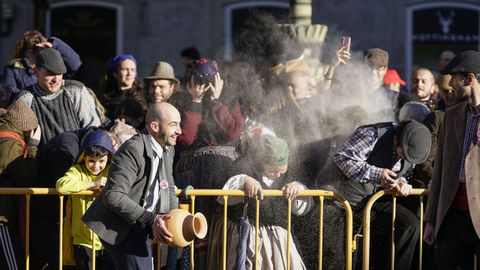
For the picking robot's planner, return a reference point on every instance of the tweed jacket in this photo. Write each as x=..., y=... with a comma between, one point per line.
x=445, y=182
x=114, y=213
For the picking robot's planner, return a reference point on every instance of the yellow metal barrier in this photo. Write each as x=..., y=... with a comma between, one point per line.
x=192, y=194
x=366, y=226
x=277, y=193
x=39, y=191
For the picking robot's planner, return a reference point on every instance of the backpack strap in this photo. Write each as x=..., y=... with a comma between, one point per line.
x=16, y=137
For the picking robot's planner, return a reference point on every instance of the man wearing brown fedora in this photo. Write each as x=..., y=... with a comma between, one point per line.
x=161, y=83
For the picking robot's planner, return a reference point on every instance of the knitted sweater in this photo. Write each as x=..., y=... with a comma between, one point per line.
x=70, y=108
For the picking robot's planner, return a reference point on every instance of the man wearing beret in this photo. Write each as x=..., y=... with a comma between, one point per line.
x=453, y=213
x=382, y=156
x=60, y=105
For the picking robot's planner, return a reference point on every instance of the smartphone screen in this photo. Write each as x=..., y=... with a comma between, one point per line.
x=345, y=41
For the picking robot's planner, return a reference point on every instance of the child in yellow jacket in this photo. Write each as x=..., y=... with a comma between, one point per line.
x=89, y=173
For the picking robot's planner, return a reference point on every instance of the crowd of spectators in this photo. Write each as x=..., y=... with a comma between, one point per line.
x=243, y=125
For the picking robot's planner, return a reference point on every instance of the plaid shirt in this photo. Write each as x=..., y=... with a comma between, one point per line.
x=352, y=157
x=473, y=114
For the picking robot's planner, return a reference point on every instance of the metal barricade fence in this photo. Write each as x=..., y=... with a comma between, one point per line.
x=320, y=193
x=28, y=192
x=367, y=225
x=193, y=193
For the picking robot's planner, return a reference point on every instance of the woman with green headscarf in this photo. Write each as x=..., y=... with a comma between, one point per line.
x=266, y=170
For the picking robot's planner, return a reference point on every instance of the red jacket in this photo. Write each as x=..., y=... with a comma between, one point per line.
x=220, y=125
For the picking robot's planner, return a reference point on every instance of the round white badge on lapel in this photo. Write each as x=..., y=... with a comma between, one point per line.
x=164, y=184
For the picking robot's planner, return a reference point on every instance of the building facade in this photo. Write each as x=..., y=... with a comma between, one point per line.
x=414, y=32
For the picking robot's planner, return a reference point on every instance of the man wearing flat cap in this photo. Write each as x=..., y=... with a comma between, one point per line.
x=377, y=60
x=382, y=156
x=453, y=213
x=60, y=105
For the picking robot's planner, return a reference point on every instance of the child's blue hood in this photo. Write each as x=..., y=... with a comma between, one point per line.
x=98, y=138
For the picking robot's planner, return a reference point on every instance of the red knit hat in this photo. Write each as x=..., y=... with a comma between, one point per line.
x=392, y=77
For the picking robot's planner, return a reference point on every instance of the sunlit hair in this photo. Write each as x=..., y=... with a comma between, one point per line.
x=430, y=73
x=28, y=41
x=413, y=110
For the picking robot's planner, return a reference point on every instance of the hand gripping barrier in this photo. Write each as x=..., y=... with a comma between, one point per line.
x=192, y=194
x=367, y=225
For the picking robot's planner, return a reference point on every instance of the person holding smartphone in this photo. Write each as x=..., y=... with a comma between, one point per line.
x=342, y=55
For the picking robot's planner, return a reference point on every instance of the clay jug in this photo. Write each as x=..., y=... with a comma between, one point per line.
x=185, y=227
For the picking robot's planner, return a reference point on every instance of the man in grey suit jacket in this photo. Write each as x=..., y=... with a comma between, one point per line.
x=453, y=213
x=139, y=191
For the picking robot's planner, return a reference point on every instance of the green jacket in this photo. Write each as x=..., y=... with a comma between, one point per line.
x=15, y=170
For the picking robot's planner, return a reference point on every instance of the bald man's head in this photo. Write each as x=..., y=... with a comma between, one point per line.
x=163, y=123
x=158, y=111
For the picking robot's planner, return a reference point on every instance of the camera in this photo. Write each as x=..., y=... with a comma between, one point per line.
x=204, y=79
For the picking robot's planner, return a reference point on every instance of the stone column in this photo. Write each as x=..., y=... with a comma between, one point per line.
x=301, y=12
x=311, y=36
